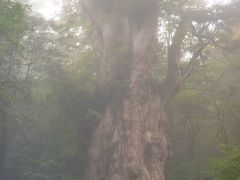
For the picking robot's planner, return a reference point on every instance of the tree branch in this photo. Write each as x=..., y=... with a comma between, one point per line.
x=174, y=73
x=175, y=76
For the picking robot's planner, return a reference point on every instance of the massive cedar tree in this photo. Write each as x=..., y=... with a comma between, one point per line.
x=130, y=142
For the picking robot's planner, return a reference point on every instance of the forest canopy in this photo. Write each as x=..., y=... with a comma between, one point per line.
x=120, y=90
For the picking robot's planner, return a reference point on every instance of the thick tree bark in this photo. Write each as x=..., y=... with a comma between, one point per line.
x=133, y=145
x=130, y=141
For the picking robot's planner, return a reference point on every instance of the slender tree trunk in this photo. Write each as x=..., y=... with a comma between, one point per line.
x=222, y=134
x=3, y=141
x=191, y=139
x=191, y=135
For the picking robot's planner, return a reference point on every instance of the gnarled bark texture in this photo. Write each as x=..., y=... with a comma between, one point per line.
x=130, y=142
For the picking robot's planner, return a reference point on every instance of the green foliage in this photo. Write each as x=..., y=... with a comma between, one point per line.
x=13, y=26
x=210, y=98
x=50, y=132
x=12, y=23
x=185, y=170
x=227, y=168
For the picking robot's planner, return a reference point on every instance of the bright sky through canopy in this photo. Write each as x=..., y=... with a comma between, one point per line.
x=218, y=2
x=51, y=8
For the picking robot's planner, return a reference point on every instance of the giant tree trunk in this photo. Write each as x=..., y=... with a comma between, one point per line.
x=130, y=142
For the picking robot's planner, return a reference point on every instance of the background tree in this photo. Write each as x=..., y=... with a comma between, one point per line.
x=12, y=28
